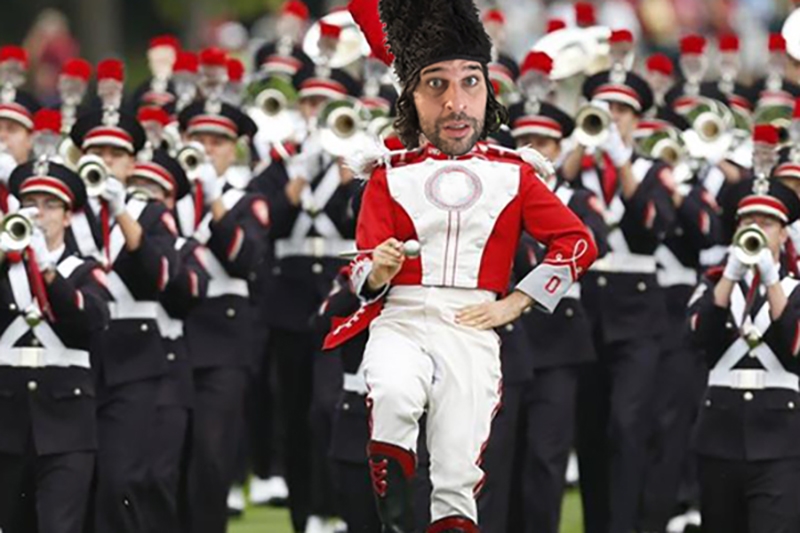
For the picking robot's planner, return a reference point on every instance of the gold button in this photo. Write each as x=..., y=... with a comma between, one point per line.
x=708, y=403
x=346, y=406
x=35, y=342
x=32, y=386
x=791, y=405
x=602, y=281
x=316, y=268
x=231, y=312
x=509, y=327
x=641, y=286
x=569, y=312
x=144, y=327
x=77, y=392
x=748, y=396
x=126, y=503
x=12, y=307
x=170, y=357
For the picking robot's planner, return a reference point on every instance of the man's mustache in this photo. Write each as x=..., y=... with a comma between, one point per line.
x=460, y=117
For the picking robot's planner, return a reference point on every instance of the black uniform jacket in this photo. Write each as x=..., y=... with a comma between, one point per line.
x=52, y=405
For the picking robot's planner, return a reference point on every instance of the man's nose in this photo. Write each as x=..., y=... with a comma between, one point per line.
x=455, y=98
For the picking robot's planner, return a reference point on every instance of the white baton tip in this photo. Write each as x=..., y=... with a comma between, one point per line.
x=411, y=249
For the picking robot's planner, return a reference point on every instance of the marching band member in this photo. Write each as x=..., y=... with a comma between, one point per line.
x=466, y=202
x=744, y=316
x=625, y=304
x=17, y=108
x=53, y=305
x=232, y=228
x=137, y=250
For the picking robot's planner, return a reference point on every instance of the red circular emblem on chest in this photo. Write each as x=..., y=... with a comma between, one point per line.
x=453, y=188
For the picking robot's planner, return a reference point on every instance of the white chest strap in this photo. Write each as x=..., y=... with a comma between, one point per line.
x=316, y=201
x=52, y=351
x=135, y=208
x=774, y=375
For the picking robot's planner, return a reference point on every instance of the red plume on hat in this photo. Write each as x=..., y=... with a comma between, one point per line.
x=494, y=15
x=235, y=70
x=47, y=120
x=153, y=114
x=14, y=53
x=555, y=25
x=366, y=15
x=330, y=31
x=728, y=42
x=166, y=40
x=620, y=36
x=585, y=14
x=538, y=62
x=77, y=68
x=765, y=134
x=111, y=69
x=214, y=57
x=660, y=63
x=777, y=43
x=295, y=8
x=693, y=45
x=186, y=62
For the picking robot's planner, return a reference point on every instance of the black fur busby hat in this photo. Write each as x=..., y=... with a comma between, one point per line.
x=423, y=32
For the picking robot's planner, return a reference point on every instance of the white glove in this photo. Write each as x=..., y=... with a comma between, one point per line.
x=768, y=268
x=7, y=166
x=307, y=164
x=44, y=258
x=212, y=184
x=615, y=147
x=734, y=268
x=114, y=194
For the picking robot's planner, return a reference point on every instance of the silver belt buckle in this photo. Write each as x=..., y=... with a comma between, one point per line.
x=749, y=379
x=31, y=357
x=317, y=246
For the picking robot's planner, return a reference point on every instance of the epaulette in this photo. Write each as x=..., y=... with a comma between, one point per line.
x=543, y=166
x=363, y=162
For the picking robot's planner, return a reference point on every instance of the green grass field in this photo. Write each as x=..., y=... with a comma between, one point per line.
x=268, y=520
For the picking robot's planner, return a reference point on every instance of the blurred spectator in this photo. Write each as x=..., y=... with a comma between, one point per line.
x=49, y=44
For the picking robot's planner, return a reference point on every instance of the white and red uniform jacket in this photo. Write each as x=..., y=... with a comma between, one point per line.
x=468, y=213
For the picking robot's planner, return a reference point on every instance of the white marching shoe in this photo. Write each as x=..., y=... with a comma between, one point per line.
x=236, y=501
x=270, y=491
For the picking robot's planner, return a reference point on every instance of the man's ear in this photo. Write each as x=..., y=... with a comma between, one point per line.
x=67, y=218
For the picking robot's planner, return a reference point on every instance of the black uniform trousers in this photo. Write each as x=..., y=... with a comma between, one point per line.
x=48, y=493
x=614, y=409
x=549, y=412
x=294, y=351
x=750, y=496
x=215, y=437
x=327, y=389
x=125, y=425
x=680, y=386
x=167, y=468
x=495, y=498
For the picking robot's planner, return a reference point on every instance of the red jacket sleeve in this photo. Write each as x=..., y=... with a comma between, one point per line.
x=570, y=247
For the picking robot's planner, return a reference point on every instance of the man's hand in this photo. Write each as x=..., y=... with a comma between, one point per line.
x=346, y=174
x=387, y=260
x=492, y=315
x=114, y=194
x=294, y=190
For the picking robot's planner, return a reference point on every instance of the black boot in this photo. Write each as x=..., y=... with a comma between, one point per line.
x=391, y=469
x=453, y=524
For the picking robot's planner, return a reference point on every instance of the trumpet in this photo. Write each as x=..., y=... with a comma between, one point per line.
x=748, y=242
x=343, y=125
x=591, y=125
x=94, y=173
x=271, y=101
x=16, y=230
x=190, y=156
x=710, y=119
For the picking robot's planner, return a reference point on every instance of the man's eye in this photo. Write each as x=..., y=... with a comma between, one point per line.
x=435, y=83
x=472, y=81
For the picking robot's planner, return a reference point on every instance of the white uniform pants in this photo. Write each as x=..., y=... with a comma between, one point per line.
x=419, y=359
